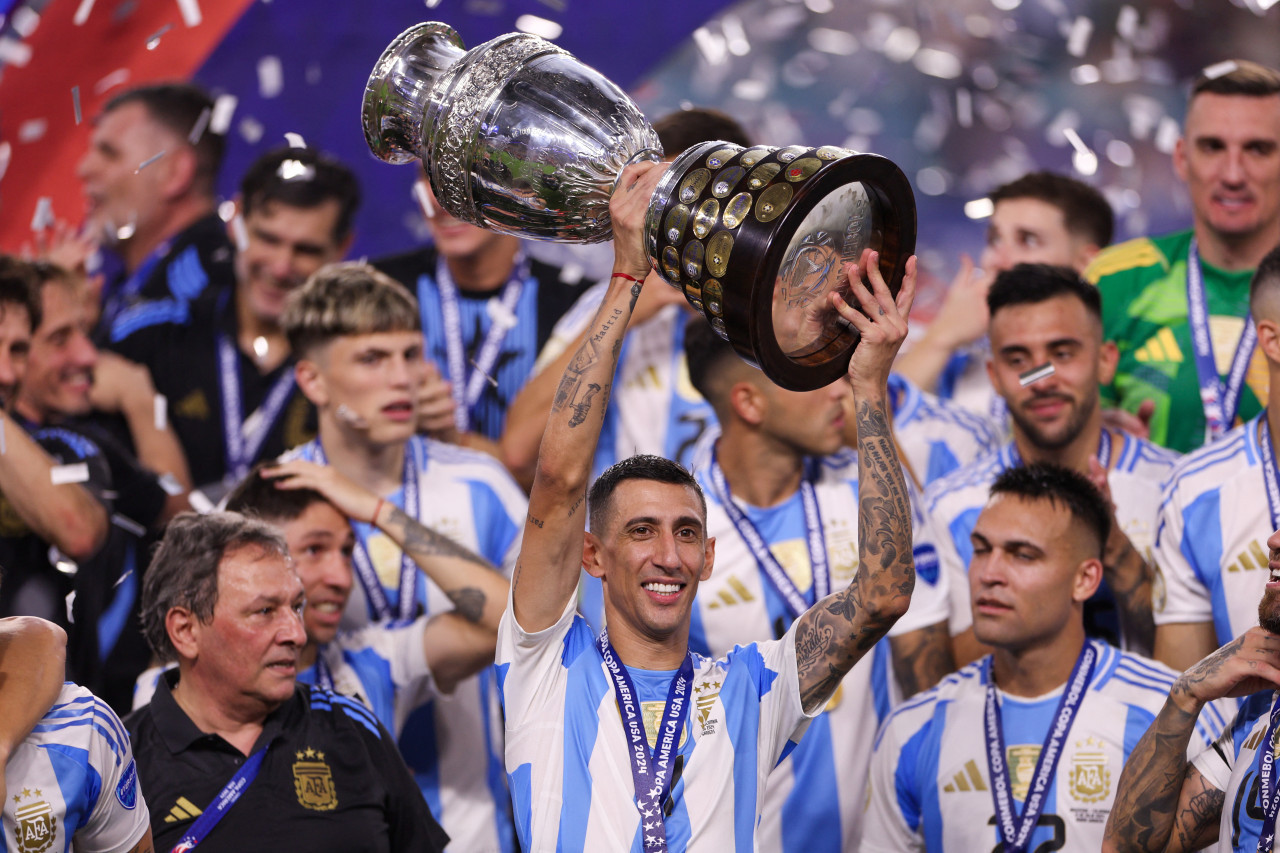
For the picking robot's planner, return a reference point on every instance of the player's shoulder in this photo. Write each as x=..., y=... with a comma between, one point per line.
x=1145, y=459
x=968, y=483
x=1132, y=256
x=1213, y=465
x=341, y=715
x=77, y=716
x=920, y=712
x=1132, y=678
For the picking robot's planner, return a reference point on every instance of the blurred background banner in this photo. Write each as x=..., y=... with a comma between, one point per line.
x=962, y=94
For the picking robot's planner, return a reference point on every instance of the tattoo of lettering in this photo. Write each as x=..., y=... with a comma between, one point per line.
x=468, y=602
x=922, y=658
x=840, y=629
x=423, y=542
x=536, y=522
x=576, y=504
x=1146, y=803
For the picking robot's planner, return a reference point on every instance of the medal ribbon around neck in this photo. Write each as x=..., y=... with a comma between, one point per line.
x=1017, y=831
x=243, y=437
x=379, y=605
x=467, y=385
x=777, y=576
x=324, y=676
x=651, y=771
x=1267, y=781
x=1221, y=401
x=227, y=797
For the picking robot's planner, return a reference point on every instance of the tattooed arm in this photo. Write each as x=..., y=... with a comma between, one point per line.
x=1163, y=803
x=921, y=658
x=837, y=631
x=547, y=571
x=1129, y=576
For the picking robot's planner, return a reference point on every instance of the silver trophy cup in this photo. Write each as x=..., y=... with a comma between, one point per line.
x=517, y=136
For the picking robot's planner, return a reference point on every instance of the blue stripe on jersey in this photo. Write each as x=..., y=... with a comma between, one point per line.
x=112, y=621
x=582, y=700
x=1201, y=544
x=494, y=527
x=495, y=776
x=919, y=759
x=147, y=314
x=374, y=672
x=187, y=276
x=422, y=753
x=959, y=529
x=521, y=780
x=79, y=782
x=810, y=801
x=104, y=724
x=881, y=674
x=941, y=461
x=358, y=712
x=742, y=726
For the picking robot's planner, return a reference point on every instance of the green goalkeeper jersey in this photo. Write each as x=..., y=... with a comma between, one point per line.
x=1143, y=284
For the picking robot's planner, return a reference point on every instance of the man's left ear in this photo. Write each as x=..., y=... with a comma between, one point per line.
x=1088, y=579
x=591, y=555
x=307, y=374
x=709, y=558
x=180, y=173
x=1108, y=358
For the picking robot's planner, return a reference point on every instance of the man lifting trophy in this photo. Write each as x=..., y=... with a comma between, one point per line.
x=519, y=137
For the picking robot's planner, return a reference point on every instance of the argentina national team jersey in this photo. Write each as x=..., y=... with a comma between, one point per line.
x=1138, y=470
x=937, y=436
x=567, y=754
x=453, y=743
x=814, y=799
x=931, y=787
x=74, y=780
x=1232, y=766
x=1211, y=542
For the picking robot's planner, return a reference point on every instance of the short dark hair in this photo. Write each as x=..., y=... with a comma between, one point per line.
x=310, y=179
x=639, y=467
x=710, y=359
x=1062, y=487
x=184, y=569
x=257, y=497
x=1085, y=211
x=1243, y=78
x=1265, y=277
x=683, y=129
x=180, y=107
x=20, y=283
x=1030, y=284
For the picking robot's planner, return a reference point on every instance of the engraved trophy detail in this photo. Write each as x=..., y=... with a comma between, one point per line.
x=518, y=136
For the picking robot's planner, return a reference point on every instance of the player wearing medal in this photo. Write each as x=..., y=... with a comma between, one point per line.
x=358, y=339
x=586, y=773
x=1177, y=305
x=1059, y=712
x=1209, y=550
x=1048, y=315
x=1226, y=798
x=781, y=505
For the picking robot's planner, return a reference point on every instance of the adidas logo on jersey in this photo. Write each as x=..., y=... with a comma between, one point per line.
x=727, y=597
x=1162, y=348
x=1249, y=559
x=968, y=779
x=184, y=809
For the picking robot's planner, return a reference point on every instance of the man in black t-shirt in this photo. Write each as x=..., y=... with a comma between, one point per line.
x=318, y=772
x=225, y=368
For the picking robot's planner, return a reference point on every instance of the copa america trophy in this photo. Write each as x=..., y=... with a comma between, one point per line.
x=517, y=136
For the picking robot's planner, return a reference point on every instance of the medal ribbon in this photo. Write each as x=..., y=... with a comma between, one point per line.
x=777, y=576
x=243, y=437
x=379, y=605
x=1267, y=781
x=1269, y=474
x=324, y=676
x=1221, y=401
x=1017, y=831
x=227, y=797
x=651, y=771
x=468, y=385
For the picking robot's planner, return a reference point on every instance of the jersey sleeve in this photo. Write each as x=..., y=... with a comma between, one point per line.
x=1215, y=763
x=1179, y=595
x=891, y=798
x=782, y=715
x=119, y=818
x=533, y=667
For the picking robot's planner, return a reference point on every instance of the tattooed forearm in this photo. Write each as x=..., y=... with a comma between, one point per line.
x=1130, y=578
x=1146, y=803
x=421, y=542
x=468, y=602
x=922, y=658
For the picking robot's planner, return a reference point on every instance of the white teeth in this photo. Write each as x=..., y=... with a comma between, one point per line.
x=327, y=607
x=664, y=588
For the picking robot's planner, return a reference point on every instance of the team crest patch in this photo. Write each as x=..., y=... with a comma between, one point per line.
x=37, y=827
x=705, y=695
x=1021, y=760
x=127, y=789
x=313, y=781
x=1090, y=780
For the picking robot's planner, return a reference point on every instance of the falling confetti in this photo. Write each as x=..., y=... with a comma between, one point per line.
x=77, y=472
x=295, y=140
x=6, y=151
x=43, y=216
x=110, y=81
x=270, y=76
x=223, y=109
x=82, y=12
x=1035, y=374
x=153, y=40
x=251, y=129
x=161, y=412
x=32, y=129
x=201, y=125
x=190, y=11
x=24, y=21
x=14, y=52
x=147, y=162
x=75, y=101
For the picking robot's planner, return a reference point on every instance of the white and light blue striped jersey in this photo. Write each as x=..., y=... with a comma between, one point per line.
x=73, y=780
x=655, y=408
x=384, y=666
x=936, y=435
x=453, y=744
x=1138, y=470
x=1211, y=539
x=1232, y=766
x=814, y=799
x=930, y=782
x=567, y=753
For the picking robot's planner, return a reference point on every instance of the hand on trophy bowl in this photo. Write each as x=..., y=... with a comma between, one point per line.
x=518, y=136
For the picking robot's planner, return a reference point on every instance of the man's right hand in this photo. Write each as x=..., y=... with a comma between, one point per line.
x=1248, y=664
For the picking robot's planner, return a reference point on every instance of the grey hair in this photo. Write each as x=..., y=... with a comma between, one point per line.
x=184, y=570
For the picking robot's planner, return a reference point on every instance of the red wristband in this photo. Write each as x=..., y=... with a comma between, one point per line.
x=377, y=509
x=624, y=275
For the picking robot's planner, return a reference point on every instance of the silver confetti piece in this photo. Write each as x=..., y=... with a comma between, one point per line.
x=75, y=101
x=147, y=162
x=161, y=412
x=153, y=40
x=223, y=109
x=201, y=125
x=43, y=216
x=190, y=11
x=1035, y=374
x=82, y=12
x=77, y=472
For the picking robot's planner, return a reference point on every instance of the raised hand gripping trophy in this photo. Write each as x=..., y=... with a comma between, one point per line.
x=519, y=137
